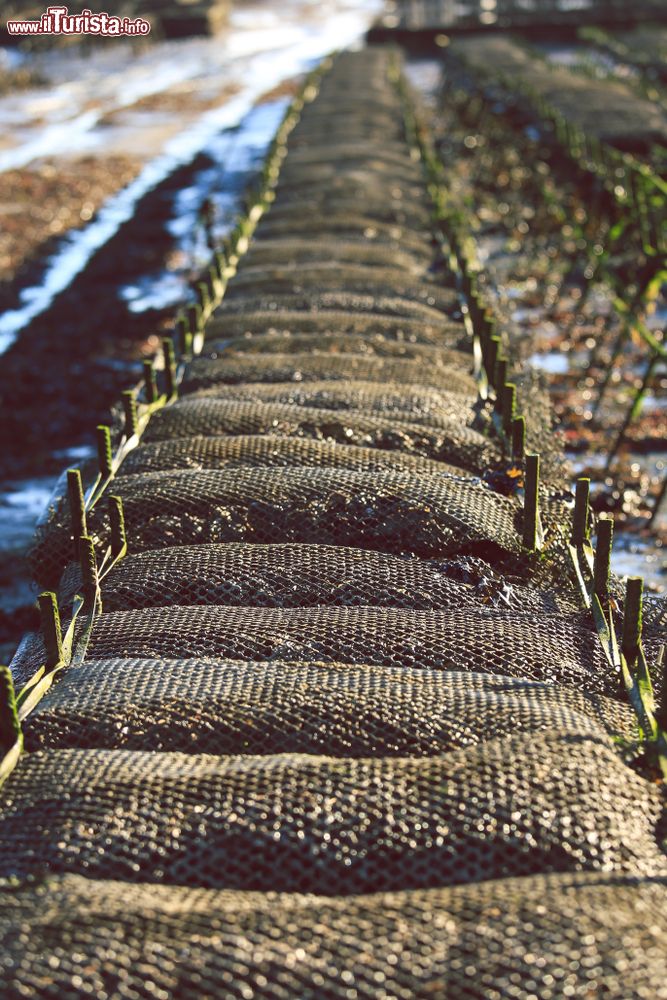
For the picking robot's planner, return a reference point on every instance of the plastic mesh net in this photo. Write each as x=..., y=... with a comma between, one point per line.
x=337, y=709
x=256, y=451
x=204, y=372
x=487, y=640
x=288, y=321
x=267, y=252
x=304, y=823
x=366, y=404
x=401, y=512
x=392, y=511
x=610, y=110
x=370, y=345
x=297, y=575
x=320, y=279
x=540, y=936
x=327, y=664
x=314, y=301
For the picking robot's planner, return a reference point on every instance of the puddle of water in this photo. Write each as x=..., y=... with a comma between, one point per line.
x=425, y=76
x=11, y=58
x=23, y=502
x=636, y=557
x=159, y=292
x=586, y=57
x=267, y=61
x=21, y=505
x=555, y=362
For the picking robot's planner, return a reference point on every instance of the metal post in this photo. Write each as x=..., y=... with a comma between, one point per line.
x=77, y=507
x=602, y=559
x=51, y=630
x=131, y=416
x=531, y=502
x=632, y=618
x=580, y=530
x=104, y=455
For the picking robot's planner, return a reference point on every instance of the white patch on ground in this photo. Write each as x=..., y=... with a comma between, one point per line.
x=254, y=60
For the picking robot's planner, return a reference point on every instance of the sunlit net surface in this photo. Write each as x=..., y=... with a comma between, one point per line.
x=335, y=733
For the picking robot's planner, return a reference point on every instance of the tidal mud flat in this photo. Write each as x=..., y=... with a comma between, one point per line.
x=123, y=164
x=116, y=173
x=344, y=719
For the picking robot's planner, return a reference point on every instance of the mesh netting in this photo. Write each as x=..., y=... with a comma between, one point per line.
x=546, y=936
x=304, y=823
x=451, y=441
x=397, y=183
x=307, y=576
x=401, y=512
x=320, y=278
x=262, y=451
x=319, y=365
x=392, y=156
x=427, y=515
x=436, y=408
x=289, y=252
x=488, y=640
x=327, y=664
x=607, y=109
x=314, y=301
x=322, y=198
x=363, y=324
x=345, y=226
x=370, y=346
x=341, y=710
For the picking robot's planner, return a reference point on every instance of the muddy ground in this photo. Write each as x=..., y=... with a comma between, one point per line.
x=59, y=378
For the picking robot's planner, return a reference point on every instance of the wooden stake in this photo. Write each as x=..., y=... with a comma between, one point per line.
x=169, y=366
x=491, y=357
x=500, y=377
x=89, y=574
x=509, y=406
x=10, y=727
x=183, y=335
x=150, y=385
x=518, y=438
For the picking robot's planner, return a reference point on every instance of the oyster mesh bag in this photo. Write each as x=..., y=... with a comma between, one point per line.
x=418, y=513
x=538, y=936
x=298, y=575
x=336, y=709
x=305, y=823
x=566, y=650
